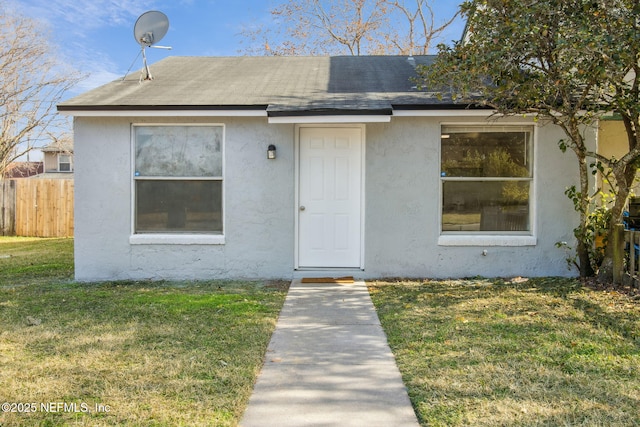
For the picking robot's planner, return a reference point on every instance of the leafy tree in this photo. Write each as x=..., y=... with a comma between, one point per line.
x=353, y=27
x=32, y=81
x=567, y=61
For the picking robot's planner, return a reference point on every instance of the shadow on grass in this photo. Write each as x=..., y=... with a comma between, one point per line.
x=450, y=293
x=514, y=352
x=626, y=324
x=156, y=352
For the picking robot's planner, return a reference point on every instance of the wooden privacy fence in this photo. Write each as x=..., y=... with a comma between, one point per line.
x=37, y=207
x=7, y=207
x=631, y=261
x=626, y=256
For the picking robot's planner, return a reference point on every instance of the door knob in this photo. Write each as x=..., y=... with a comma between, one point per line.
x=302, y=208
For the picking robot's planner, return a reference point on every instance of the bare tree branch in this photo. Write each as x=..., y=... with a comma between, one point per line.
x=32, y=82
x=354, y=27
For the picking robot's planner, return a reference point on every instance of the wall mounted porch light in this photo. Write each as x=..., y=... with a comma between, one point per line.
x=271, y=152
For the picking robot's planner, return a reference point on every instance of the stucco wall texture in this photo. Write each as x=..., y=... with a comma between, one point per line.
x=402, y=206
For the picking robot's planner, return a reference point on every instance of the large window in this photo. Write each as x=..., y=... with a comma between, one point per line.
x=178, y=179
x=487, y=175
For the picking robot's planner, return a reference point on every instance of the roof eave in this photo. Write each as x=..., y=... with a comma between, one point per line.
x=163, y=110
x=387, y=111
x=442, y=110
x=275, y=114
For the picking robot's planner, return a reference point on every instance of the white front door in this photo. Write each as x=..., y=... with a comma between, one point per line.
x=330, y=199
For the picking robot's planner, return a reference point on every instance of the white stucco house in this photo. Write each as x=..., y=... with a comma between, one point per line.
x=283, y=167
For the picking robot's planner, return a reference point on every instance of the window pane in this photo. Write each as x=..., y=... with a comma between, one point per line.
x=173, y=151
x=178, y=206
x=485, y=154
x=485, y=206
x=64, y=163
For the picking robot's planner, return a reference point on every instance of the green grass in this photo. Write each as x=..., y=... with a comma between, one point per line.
x=34, y=260
x=152, y=353
x=540, y=352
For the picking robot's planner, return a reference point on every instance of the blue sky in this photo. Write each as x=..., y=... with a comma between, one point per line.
x=96, y=36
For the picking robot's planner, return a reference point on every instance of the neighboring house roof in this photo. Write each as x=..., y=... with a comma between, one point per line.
x=59, y=147
x=282, y=86
x=23, y=170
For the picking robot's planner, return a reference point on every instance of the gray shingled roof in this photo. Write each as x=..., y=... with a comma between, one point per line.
x=281, y=85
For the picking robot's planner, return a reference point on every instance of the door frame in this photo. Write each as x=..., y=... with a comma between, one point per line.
x=297, y=151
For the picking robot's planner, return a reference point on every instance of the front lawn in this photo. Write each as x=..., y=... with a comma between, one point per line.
x=540, y=352
x=472, y=352
x=125, y=353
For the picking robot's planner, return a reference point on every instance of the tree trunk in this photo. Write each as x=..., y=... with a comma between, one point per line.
x=581, y=204
x=584, y=259
x=625, y=177
x=583, y=250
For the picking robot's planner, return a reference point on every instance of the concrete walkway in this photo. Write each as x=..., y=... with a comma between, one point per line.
x=329, y=364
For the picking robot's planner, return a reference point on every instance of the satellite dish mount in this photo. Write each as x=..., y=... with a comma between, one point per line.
x=150, y=28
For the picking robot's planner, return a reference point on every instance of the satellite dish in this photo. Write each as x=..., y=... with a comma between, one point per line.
x=149, y=29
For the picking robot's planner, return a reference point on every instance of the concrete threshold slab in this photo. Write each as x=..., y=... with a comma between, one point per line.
x=329, y=364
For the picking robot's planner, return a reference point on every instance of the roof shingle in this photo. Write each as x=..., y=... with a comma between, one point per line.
x=281, y=85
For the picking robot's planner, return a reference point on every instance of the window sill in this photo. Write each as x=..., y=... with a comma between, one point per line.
x=176, y=239
x=494, y=240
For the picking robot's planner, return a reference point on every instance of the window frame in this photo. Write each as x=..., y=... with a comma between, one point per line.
x=491, y=238
x=169, y=238
x=70, y=162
